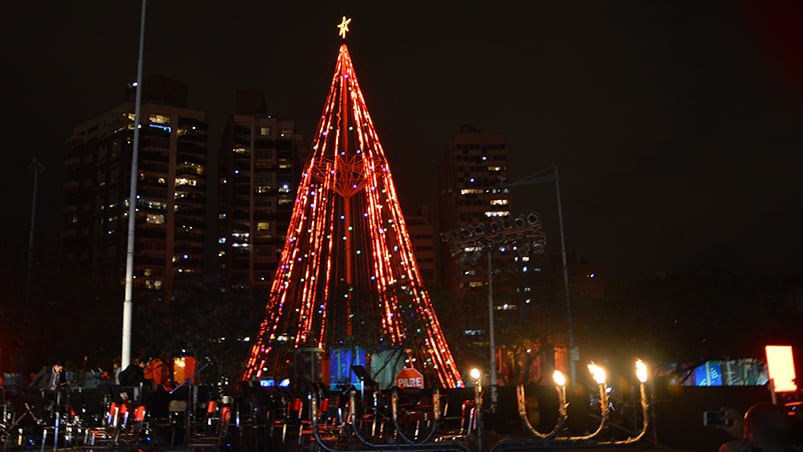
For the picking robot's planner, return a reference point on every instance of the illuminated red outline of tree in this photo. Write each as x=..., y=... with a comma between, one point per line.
x=348, y=263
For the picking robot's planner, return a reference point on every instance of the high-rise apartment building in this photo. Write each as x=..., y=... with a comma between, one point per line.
x=472, y=172
x=490, y=255
x=171, y=192
x=260, y=163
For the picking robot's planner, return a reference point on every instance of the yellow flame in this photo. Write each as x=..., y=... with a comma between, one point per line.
x=559, y=378
x=641, y=371
x=598, y=373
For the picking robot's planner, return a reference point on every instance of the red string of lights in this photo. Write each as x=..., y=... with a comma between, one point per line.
x=347, y=272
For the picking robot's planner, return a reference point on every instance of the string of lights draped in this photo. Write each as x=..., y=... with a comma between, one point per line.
x=347, y=273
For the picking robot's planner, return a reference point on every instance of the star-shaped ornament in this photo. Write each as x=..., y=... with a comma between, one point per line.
x=343, y=27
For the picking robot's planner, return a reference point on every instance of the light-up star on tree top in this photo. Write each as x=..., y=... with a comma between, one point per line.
x=347, y=273
x=343, y=27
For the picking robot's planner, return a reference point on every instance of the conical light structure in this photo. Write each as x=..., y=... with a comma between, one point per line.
x=347, y=273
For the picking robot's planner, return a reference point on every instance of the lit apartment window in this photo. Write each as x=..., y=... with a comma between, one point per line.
x=263, y=226
x=147, y=203
x=154, y=218
x=494, y=169
x=239, y=150
x=499, y=202
x=475, y=284
x=262, y=189
x=153, y=284
x=497, y=213
x=159, y=119
x=264, y=131
x=186, y=181
x=191, y=167
x=470, y=191
x=286, y=133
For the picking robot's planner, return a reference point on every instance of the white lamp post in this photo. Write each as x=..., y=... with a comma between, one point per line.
x=125, y=356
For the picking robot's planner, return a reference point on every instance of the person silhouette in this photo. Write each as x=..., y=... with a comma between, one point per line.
x=50, y=377
x=765, y=427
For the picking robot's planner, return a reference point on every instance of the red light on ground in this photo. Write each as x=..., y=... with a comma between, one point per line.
x=781, y=367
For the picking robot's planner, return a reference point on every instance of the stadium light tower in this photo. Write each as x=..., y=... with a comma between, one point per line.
x=543, y=177
x=485, y=238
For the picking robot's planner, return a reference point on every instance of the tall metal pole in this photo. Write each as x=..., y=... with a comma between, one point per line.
x=491, y=329
x=37, y=167
x=572, y=352
x=125, y=357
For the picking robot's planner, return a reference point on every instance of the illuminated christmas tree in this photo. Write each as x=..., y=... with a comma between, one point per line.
x=347, y=273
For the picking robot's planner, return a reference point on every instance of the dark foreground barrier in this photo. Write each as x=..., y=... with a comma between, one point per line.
x=252, y=418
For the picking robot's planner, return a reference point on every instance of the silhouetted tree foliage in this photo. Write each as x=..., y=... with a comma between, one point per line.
x=206, y=322
x=685, y=318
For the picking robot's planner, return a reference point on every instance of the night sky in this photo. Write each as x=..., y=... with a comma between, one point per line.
x=677, y=126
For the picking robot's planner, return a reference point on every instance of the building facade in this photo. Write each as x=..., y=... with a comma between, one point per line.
x=424, y=240
x=472, y=172
x=260, y=162
x=489, y=255
x=171, y=192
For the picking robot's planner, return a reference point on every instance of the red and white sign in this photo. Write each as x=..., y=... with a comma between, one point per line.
x=410, y=377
